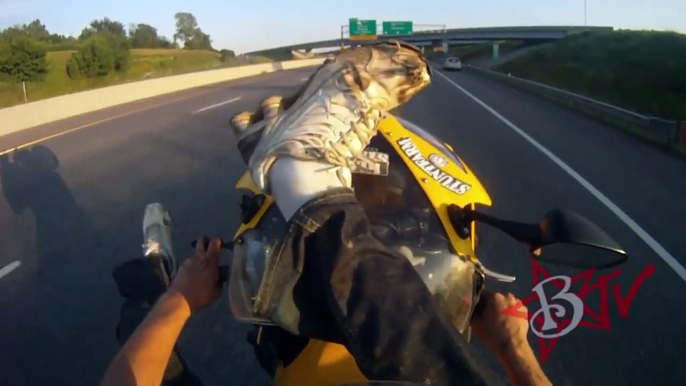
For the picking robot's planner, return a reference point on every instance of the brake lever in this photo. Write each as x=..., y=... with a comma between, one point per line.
x=497, y=276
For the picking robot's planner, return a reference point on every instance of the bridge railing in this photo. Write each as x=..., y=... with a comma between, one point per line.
x=656, y=130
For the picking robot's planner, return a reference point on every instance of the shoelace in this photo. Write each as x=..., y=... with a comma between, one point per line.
x=349, y=146
x=341, y=152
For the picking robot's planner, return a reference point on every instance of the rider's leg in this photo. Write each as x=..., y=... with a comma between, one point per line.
x=142, y=281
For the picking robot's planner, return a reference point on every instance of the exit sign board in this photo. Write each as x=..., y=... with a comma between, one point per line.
x=397, y=28
x=362, y=29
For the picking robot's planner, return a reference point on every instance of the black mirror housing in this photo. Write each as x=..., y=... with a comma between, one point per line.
x=556, y=227
x=566, y=226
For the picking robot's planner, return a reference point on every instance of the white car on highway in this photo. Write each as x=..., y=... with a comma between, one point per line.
x=452, y=64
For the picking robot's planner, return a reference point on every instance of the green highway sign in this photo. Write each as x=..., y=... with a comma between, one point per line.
x=397, y=28
x=362, y=29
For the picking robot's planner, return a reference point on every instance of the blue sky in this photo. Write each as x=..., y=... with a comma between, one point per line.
x=248, y=25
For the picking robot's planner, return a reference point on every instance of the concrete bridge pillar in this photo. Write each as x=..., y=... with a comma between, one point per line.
x=436, y=45
x=440, y=45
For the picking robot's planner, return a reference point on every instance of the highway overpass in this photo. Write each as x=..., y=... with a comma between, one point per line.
x=453, y=36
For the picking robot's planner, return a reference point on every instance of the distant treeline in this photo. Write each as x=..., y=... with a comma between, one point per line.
x=102, y=47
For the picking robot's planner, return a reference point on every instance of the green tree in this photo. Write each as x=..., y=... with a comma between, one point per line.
x=227, y=55
x=186, y=24
x=198, y=41
x=122, y=55
x=23, y=59
x=95, y=58
x=72, y=67
x=36, y=30
x=163, y=42
x=101, y=54
x=188, y=32
x=58, y=42
x=112, y=27
x=143, y=36
x=105, y=48
x=60, y=39
x=10, y=33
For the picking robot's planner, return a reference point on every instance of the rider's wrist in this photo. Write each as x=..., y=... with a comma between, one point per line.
x=513, y=345
x=513, y=348
x=177, y=302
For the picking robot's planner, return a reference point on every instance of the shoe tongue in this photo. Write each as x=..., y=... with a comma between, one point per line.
x=295, y=182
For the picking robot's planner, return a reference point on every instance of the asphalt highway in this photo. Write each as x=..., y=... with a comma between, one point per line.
x=73, y=203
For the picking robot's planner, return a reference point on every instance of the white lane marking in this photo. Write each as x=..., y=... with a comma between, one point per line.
x=654, y=245
x=9, y=268
x=216, y=105
x=303, y=79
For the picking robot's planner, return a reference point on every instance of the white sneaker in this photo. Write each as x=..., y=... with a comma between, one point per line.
x=157, y=241
x=338, y=111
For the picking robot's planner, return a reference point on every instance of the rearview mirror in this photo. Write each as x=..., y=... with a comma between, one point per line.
x=556, y=227
x=567, y=227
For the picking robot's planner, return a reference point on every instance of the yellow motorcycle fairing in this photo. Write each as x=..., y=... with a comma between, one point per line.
x=322, y=364
x=443, y=182
x=246, y=182
x=437, y=193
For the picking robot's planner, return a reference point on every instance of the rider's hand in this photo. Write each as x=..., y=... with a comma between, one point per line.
x=499, y=331
x=198, y=278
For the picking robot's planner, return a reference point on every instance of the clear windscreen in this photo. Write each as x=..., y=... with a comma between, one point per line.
x=251, y=253
x=403, y=218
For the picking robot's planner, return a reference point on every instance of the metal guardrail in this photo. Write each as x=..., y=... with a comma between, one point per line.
x=664, y=130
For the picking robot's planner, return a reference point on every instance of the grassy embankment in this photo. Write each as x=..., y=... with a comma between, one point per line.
x=642, y=71
x=145, y=64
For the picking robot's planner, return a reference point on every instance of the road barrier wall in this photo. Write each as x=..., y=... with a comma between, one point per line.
x=32, y=114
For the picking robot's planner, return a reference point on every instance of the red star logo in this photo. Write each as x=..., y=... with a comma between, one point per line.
x=596, y=319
